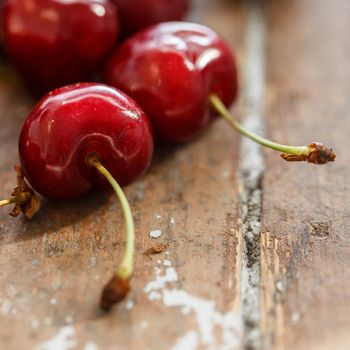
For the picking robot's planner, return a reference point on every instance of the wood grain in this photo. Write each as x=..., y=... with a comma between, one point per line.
x=305, y=242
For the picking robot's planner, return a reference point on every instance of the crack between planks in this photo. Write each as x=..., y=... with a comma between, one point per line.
x=251, y=172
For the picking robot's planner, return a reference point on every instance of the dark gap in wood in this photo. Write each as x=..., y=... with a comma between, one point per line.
x=251, y=173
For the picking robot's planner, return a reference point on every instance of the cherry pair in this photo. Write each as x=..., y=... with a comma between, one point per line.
x=55, y=42
x=179, y=74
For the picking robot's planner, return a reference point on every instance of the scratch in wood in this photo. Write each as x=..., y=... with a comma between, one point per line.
x=251, y=173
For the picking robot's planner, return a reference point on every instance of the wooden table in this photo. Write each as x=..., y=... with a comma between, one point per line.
x=258, y=249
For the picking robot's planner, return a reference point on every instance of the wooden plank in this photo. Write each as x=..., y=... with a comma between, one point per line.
x=305, y=242
x=52, y=268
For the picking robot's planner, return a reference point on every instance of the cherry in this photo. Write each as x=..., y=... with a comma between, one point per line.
x=57, y=42
x=170, y=69
x=71, y=133
x=74, y=121
x=139, y=14
x=1, y=23
x=180, y=73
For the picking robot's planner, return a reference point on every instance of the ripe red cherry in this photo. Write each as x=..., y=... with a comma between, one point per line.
x=138, y=14
x=71, y=123
x=171, y=69
x=74, y=135
x=1, y=23
x=57, y=42
x=179, y=73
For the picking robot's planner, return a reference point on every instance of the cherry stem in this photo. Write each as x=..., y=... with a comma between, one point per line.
x=315, y=153
x=125, y=268
x=118, y=287
x=7, y=201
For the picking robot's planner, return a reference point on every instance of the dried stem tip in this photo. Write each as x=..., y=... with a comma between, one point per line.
x=23, y=197
x=114, y=292
x=318, y=153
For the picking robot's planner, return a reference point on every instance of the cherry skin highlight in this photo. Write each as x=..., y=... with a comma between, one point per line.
x=56, y=42
x=171, y=69
x=73, y=122
x=136, y=15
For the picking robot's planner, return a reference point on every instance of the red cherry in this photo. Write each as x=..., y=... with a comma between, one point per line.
x=77, y=137
x=72, y=122
x=1, y=23
x=138, y=14
x=171, y=69
x=56, y=42
x=179, y=72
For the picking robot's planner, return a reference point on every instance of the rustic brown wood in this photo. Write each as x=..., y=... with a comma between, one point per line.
x=305, y=241
x=53, y=267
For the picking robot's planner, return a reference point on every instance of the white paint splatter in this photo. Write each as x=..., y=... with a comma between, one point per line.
x=208, y=319
x=90, y=346
x=12, y=305
x=63, y=340
x=172, y=220
x=161, y=281
x=158, y=216
x=157, y=270
x=166, y=262
x=155, y=233
x=154, y=296
x=53, y=301
x=188, y=342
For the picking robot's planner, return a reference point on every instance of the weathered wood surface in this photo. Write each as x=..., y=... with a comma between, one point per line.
x=52, y=269
x=305, y=241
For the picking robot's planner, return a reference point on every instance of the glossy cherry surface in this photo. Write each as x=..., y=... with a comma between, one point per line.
x=56, y=42
x=71, y=123
x=2, y=3
x=171, y=69
x=138, y=14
